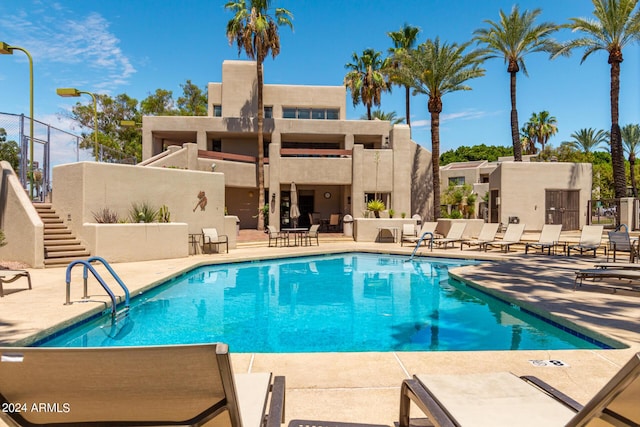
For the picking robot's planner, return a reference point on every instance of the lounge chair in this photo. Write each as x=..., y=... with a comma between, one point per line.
x=549, y=239
x=312, y=233
x=633, y=275
x=9, y=276
x=134, y=386
x=511, y=237
x=428, y=230
x=211, y=237
x=619, y=240
x=590, y=240
x=487, y=234
x=277, y=236
x=503, y=399
x=453, y=236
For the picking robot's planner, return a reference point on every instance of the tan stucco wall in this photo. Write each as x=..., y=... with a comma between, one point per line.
x=83, y=188
x=22, y=227
x=368, y=229
x=421, y=182
x=522, y=188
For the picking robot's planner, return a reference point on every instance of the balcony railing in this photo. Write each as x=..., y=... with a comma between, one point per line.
x=216, y=155
x=314, y=152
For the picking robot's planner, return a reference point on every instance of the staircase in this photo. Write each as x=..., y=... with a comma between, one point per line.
x=60, y=245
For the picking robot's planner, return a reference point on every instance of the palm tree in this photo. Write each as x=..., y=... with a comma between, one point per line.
x=631, y=144
x=366, y=79
x=403, y=40
x=615, y=26
x=542, y=126
x=588, y=140
x=436, y=69
x=256, y=33
x=381, y=115
x=528, y=139
x=512, y=38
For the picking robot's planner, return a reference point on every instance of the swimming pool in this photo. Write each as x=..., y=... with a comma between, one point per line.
x=333, y=303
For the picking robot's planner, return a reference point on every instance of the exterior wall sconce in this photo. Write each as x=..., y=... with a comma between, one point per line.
x=273, y=198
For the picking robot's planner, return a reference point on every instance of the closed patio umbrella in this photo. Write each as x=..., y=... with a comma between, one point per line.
x=294, y=211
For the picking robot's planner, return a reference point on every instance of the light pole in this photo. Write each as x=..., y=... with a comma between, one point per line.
x=73, y=92
x=6, y=49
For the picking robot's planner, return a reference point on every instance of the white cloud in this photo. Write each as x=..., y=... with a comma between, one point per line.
x=84, y=42
x=451, y=117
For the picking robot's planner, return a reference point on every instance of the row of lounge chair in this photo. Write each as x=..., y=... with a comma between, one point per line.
x=195, y=385
x=549, y=240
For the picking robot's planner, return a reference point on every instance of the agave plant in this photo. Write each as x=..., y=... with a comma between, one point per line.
x=143, y=212
x=375, y=206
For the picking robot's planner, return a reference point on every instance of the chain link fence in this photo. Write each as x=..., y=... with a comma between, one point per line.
x=51, y=146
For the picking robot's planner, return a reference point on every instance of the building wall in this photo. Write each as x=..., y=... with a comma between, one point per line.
x=522, y=188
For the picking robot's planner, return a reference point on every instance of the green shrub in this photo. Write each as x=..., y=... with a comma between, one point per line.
x=143, y=212
x=375, y=205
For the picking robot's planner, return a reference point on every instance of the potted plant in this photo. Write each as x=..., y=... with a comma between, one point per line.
x=376, y=206
x=391, y=213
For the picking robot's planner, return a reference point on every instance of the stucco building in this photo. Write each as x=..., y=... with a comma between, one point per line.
x=337, y=164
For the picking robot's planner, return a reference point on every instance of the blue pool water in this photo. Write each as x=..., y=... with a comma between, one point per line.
x=337, y=303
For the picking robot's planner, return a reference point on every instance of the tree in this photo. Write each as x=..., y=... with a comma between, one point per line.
x=159, y=103
x=475, y=152
x=366, y=79
x=381, y=115
x=615, y=26
x=528, y=139
x=512, y=38
x=540, y=127
x=588, y=140
x=403, y=40
x=116, y=142
x=9, y=150
x=631, y=144
x=193, y=101
x=256, y=33
x=436, y=69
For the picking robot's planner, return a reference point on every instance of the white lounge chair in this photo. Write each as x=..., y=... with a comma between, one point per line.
x=620, y=241
x=135, y=386
x=549, y=239
x=503, y=399
x=487, y=234
x=428, y=230
x=511, y=237
x=211, y=237
x=590, y=240
x=453, y=236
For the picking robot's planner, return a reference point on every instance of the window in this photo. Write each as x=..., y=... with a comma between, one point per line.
x=318, y=114
x=217, y=111
x=216, y=145
x=289, y=113
x=304, y=113
x=456, y=180
x=268, y=112
x=333, y=114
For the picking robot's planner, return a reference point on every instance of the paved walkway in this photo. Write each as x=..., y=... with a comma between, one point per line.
x=365, y=387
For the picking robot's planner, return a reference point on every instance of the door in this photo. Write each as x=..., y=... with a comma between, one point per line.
x=493, y=206
x=562, y=207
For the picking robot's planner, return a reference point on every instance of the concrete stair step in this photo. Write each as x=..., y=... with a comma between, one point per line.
x=63, y=242
x=80, y=253
x=63, y=248
x=60, y=262
x=48, y=226
x=55, y=232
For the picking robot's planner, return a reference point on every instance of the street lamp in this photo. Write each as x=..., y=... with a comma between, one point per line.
x=6, y=49
x=73, y=92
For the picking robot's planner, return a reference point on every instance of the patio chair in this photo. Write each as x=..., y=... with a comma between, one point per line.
x=619, y=240
x=428, y=230
x=590, y=240
x=312, y=233
x=453, y=236
x=609, y=272
x=503, y=399
x=549, y=239
x=277, y=236
x=511, y=237
x=135, y=386
x=334, y=222
x=211, y=237
x=487, y=234
x=9, y=276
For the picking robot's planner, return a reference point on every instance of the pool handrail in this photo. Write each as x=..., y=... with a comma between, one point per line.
x=88, y=267
x=113, y=273
x=420, y=242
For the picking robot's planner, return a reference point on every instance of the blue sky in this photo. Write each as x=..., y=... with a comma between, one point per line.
x=136, y=47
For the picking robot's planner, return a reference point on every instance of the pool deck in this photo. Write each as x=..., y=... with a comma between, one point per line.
x=365, y=387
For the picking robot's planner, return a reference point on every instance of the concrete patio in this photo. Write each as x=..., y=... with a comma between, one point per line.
x=365, y=387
